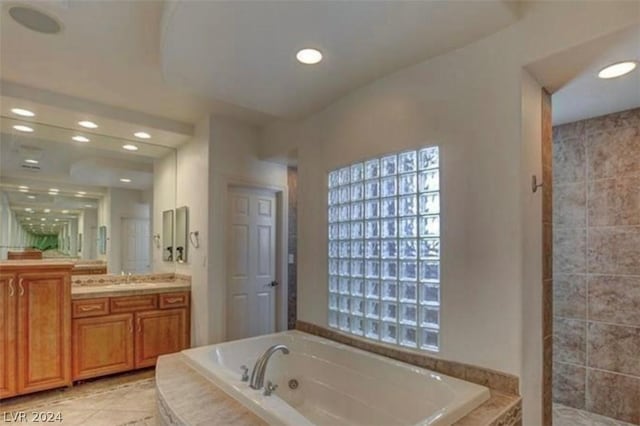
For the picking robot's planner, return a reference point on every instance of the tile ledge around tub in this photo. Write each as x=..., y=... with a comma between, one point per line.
x=495, y=380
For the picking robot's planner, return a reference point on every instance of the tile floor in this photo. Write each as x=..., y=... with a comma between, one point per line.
x=127, y=399
x=567, y=416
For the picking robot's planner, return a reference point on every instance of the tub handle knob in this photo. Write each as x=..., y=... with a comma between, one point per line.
x=270, y=388
x=245, y=373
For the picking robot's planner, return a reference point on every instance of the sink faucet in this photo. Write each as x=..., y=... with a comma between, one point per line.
x=129, y=277
x=257, y=375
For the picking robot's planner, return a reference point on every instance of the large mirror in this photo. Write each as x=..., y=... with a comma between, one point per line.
x=167, y=236
x=182, y=234
x=78, y=194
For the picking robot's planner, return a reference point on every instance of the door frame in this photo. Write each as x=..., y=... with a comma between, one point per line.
x=282, y=204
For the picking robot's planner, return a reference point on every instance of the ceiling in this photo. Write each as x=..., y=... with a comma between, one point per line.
x=243, y=52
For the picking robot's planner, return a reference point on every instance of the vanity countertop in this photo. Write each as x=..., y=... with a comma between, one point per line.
x=127, y=289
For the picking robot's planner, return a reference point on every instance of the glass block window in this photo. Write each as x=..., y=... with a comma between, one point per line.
x=384, y=249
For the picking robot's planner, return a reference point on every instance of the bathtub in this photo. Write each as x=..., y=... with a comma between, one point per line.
x=337, y=384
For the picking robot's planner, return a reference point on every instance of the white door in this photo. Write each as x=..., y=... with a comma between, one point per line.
x=251, y=263
x=136, y=253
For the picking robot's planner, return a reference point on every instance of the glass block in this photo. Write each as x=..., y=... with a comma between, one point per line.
x=344, y=321
x=333, y=179
x=334, y=197
x=389, y=228
x=408, y=227
x=344, y=176
x=344, y=303
x=357, y=306
x=344, y=213
x=372, y=329
x=407, y=162
x=333, y=267
x=429, y=271
x=333, y=284
x=371, y=229
x=372, y=269
x=333, y=249
x=372, y=209
x=408, y=314
x=371, y=189
x=333, y=214
x=429, y=339
x=333, y=301
x=344, y=194
x=372, y=289
x=343, y=268
x=389, y=270
x=333, y=319
x=357, y=268
x=334, y=232
x=357, y=172
x=429, y=294
x=372, y=249
x=407, y=205
x=357, y=192
x=357, y=249
x=430, y=203
x=389, y=249
x=357, y=211
x=389, y=332
x=357, y=230
x=408, y=249
x=389, y=165
x=407, y=184
x=408, y=292
x=408, y=336
x=357, y=325
x=357, y=287
x=344, y=231
x=429, y=226
x=342, y=248
x=428, y=158
x=372, y=169
x=388, y=207
x=429, y=180
x=389, y=290
x=388, y=187
x=429, y=317
x=430, y=248
x=389, y=311
x=408, y=271
x=344, y=285
x=372, y=309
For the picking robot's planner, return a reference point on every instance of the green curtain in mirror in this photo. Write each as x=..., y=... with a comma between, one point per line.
x=45, y=242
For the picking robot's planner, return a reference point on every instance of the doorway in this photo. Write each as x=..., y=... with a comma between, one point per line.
x=135, y=252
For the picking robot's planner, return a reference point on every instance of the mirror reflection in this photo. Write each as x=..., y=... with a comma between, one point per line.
x=182, y=233
x=167, y=236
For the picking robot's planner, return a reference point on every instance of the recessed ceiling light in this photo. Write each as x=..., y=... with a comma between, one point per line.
x=309, y=56
x=65, y=211
x=43, y=219
x=53, y=193
x=22, y=128
x=54, y=190
x=618, y=69
x=130, y=147
x=28, y=218
x=142, y=135
x=23, y=187
x=23, y=190
x=88, y=206
x=79, y=138
x=57, y=220
x=31, y=197
x=88, y=124
x=82, y=193
x=125, y=180
x=79, y=195
x=23, y=112
x=31, y=161
x=47, y=210
x=28, y=209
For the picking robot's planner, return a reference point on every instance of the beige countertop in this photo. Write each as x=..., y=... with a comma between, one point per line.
x=34, y=263
x=124, y=289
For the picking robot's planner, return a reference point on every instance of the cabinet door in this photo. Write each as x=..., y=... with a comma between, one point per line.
x=158, y=333
x=102, y=345
x=8, y=307
x=44, y=330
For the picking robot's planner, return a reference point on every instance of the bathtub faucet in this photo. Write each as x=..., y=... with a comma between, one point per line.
x=257, y=375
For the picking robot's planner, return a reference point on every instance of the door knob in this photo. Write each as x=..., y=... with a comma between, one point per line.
x=273, y=284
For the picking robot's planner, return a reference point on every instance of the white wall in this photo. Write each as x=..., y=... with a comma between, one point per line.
x=470, y=103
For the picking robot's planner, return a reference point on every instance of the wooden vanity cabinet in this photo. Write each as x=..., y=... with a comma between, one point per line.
x=8, y=332
x=132, y=333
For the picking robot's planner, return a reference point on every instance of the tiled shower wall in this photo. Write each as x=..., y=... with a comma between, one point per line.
x=596, y=265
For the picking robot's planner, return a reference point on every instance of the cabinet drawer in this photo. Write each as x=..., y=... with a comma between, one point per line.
x=174, y=300
x=133, y=303
x=90, y=307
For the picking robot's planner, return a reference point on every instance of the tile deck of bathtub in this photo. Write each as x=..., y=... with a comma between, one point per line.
x=567, y=416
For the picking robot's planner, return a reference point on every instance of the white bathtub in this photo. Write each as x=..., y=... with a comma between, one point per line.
x=338, y=384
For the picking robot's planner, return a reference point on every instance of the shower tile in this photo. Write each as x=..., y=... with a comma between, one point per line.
x=569, y=250
x=617, y=120
x=614, y=299
x=569, y=130
x=570, y=296
x=569, y=341
x=614, y=250
x=613, y=395
x=570, y=205
x=613, y=153
x=614, y=348
x=569, y=160
x=569, y=384
x=614, y=201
